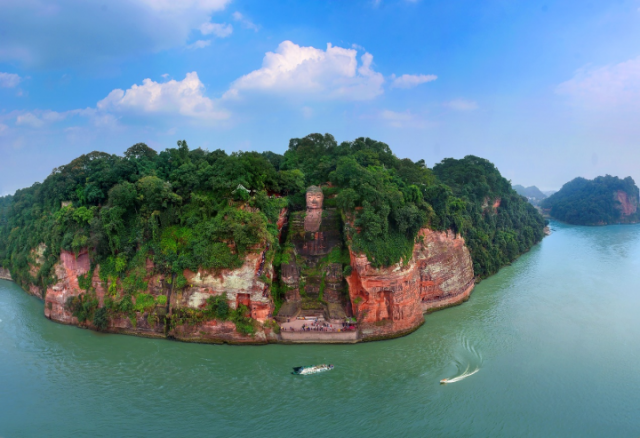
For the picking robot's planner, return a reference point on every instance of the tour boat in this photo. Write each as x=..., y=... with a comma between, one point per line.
x=303, y=371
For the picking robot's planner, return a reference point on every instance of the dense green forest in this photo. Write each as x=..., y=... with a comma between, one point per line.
x=190, y=209
x=5, y=203
x=494, y=237
x=593, y=202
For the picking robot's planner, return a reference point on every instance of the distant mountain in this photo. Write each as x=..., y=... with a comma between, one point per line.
x=549, y=192
x=533, y=194
x=601, y=201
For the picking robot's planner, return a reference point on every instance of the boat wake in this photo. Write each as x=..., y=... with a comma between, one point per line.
x=464, y=375
x=471, y=357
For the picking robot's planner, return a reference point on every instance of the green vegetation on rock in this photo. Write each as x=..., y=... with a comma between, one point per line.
x=194, y=209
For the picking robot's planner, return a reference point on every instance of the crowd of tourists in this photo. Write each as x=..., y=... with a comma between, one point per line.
x=316, y=326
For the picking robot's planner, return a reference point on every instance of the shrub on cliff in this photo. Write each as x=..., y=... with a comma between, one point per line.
x=244, y=324
x=101, y=318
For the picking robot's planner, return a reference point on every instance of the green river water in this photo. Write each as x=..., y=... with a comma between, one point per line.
x=555, y=336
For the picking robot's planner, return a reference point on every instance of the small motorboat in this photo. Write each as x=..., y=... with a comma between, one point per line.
x=444, y=381
x=303, y=371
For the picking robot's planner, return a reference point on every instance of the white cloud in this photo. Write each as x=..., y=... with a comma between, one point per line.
x=324, y=74
x=200, y=44
x=38, y=118
x=245, y=21
x=9, y=80
x=221, y=30
x=184, y=97
x=462, y=105
x=410, y=81
x=605, y=87
x=165, y=75
x=29, y=119
x=66, y=33
x=403, y=119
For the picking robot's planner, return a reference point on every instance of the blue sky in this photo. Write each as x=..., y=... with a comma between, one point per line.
x=546, y=90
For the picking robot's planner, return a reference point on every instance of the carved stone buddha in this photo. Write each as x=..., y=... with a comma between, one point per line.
x=313, y=218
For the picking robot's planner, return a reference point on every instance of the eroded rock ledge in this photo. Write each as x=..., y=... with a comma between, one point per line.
x=392, y=301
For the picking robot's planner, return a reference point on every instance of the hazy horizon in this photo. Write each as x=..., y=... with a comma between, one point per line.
x=546, y=91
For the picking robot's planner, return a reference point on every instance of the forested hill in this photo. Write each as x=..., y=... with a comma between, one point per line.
x=603, y=200
x=193, y=209
x=532, y=193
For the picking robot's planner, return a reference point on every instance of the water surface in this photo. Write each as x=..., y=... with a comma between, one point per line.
x=556, y=338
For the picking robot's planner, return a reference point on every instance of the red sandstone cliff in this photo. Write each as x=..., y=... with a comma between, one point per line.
x=67, y=271
x=627, y=206
x=243, y=286
x=387, y=302
x=391, y=301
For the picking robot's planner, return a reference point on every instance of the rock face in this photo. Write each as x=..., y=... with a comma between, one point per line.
x=5, y=274
x=67, y=270
x=242, y=286
x=391, y=301
x=628, y=206
x=386, y=302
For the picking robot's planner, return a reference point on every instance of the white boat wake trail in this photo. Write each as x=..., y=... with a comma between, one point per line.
x=471, y=357
x=463, y=375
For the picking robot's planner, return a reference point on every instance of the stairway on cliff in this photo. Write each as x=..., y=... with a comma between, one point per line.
x=322, y=290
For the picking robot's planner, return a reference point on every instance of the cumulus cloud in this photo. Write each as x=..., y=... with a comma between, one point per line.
x=77, y=32
x=462, y=105
x=184, y=98
x=245, y=21
x=605, y=87
x=333, y=73
x=221, y=30
x=9, y=80
x=410, y=81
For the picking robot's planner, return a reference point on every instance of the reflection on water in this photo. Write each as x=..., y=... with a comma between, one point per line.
x=554, y=337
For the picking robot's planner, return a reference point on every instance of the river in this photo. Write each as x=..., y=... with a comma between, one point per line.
x=555, y=339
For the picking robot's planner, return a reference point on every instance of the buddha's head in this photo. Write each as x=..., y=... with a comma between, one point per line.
x=314, y=197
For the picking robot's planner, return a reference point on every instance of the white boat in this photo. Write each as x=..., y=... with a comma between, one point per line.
x=313, y=369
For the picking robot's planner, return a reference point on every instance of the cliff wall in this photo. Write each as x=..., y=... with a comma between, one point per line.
x=243, y=286
x=628, y=206
x=391, y=301
x=386, y=302
x=67, y=270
